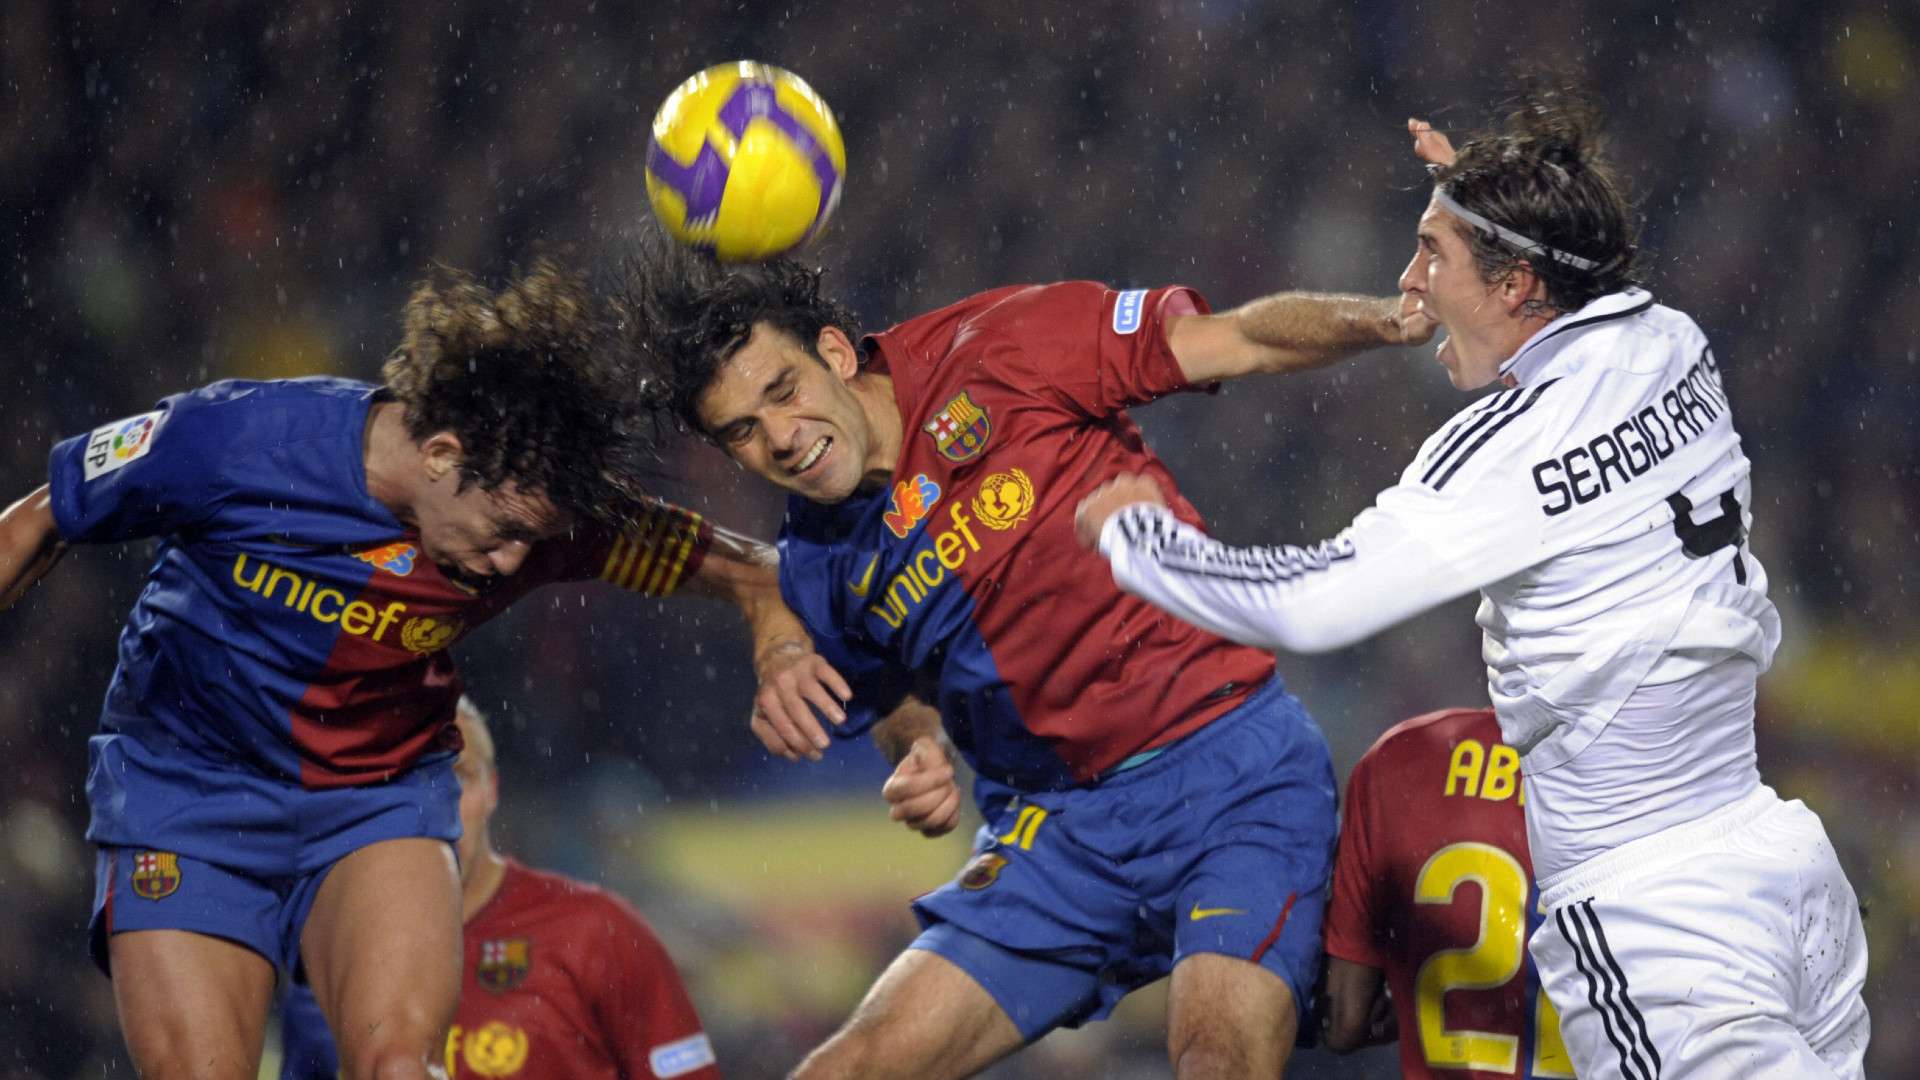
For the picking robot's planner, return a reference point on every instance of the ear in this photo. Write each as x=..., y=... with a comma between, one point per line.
x=1520, y=286
x=838, y=351
x=442, y=454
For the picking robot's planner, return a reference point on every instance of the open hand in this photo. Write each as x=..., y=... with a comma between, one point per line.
x=794, y=682
x=922, y=791
x=1108, y=499
x=1430, y=146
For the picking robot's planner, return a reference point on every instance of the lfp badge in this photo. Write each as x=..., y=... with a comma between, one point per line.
x=959, y=429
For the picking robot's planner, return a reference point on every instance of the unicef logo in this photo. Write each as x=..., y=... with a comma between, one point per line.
x=1004, y=499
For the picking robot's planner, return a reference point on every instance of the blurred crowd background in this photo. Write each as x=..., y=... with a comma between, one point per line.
x=201, y=190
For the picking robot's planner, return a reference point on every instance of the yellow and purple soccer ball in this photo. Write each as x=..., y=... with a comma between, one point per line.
x=745, y=162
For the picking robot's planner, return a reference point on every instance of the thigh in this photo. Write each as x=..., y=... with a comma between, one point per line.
x=925, y=1018
x=1229, y=1017
x=190, y=1004
x=1673, y=985
x=382, y=948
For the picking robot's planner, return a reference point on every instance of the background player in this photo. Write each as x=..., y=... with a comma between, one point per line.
x=932, y=469
x=272, y=783
x=561, y=979
x=1433, y=899
x=1601, y=502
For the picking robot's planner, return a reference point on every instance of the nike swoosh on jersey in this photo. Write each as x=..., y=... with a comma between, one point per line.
x=1199, y=912
x=866, y=579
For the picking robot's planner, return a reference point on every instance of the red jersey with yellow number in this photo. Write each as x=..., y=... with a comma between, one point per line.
x=565, y=981
x=964, y=571
x=1433, y=886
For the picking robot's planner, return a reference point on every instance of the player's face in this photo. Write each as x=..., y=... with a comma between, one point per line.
x=791, y=417
x=479, y=797
x=1447, y=282
x=482, y=533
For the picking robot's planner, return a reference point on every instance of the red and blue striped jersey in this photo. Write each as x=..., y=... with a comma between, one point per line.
x=288, y=624
x=964, y=572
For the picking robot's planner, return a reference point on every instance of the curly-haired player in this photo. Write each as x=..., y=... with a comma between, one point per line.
x=272, y=785
x=1600, y=501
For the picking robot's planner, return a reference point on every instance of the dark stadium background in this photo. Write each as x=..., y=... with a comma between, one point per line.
x=194, y=191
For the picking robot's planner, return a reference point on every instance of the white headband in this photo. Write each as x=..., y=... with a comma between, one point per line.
x=1524, y=243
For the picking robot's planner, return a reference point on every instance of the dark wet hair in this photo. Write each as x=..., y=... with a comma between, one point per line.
x=526, y=378
x=684, y=314
x=1545, y=175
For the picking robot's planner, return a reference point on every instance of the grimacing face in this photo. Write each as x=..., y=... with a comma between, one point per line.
x=1445, y=278
x=482, y=533
x=790, y=417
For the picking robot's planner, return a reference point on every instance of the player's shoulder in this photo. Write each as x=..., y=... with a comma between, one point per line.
x=1491, y=429
x=242, y=412
x=1422, y=735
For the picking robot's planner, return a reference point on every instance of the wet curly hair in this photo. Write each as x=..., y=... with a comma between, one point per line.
x=683, y=315
x=1545, y=175
x=529, y=379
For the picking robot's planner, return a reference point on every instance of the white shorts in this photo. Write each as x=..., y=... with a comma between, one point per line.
x=1728, y=947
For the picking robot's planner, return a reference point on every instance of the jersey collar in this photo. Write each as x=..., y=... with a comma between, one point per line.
x=1540, y=349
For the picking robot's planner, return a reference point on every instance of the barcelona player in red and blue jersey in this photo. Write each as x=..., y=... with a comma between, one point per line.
x=272, y=784
x=1434, y=900
x=1155, y=801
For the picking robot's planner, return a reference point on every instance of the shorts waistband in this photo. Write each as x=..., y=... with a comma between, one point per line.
x=1649, y=853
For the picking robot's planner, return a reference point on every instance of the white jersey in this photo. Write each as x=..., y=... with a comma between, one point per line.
x=1601, y=506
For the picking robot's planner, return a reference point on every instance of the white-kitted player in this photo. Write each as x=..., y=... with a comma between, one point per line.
x=1698, y=925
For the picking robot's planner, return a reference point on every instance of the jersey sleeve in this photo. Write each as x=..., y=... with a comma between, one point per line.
x=1448, y=528
x=642, y=1006
x=1096, y=349
x=146, y=475
x=652, y=557
x=1353, y=923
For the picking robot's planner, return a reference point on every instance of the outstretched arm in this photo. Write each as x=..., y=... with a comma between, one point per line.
x=29, y=545
x=794, y=679
x=1291, y=331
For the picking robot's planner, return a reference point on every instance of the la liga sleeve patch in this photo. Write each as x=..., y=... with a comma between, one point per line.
x=120, y=443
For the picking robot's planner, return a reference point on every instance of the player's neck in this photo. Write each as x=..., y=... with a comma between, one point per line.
x=390, y=457
x=874, y=392
x=489, y=870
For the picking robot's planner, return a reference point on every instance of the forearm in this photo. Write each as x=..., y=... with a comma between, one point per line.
x=1296, y=331
x=909, y=722
x=1301, y=599
x=1353, y=1004
x=29, y=545
x=746, y=573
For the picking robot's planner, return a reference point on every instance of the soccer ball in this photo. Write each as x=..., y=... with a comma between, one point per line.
x=745, y=162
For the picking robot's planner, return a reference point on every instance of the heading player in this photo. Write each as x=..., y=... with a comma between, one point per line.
x=271, y=786
x=1600, y=501
x=928, y=546
x=562, y=980
x=1433, y=898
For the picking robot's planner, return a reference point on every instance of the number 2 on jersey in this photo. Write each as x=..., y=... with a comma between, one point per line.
x=1492, y=961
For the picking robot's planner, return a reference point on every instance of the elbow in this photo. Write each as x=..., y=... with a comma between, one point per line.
x=1340, y=1038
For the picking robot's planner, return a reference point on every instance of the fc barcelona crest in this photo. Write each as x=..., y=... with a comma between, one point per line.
x=156, y=874
x=959, y=429
x=983, y=871
x=504, y=963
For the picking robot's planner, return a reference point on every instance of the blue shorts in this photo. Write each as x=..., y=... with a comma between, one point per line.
x=236, y=854
x=1223, y=843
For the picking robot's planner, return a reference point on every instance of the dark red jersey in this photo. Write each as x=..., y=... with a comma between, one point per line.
x=1434, y=887
x=563, y=980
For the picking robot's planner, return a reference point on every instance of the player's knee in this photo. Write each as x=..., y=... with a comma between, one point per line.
x=169, y=1055
x=1209, y=1051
